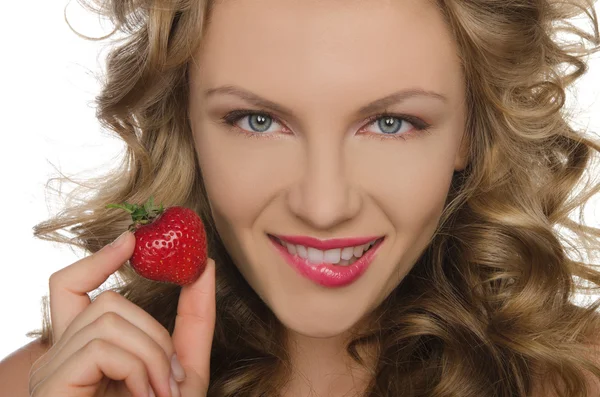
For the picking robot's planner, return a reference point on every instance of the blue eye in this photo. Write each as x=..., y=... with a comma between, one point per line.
x=391, y=125
x=252, y=122
x=259, y=122
x=262, y=124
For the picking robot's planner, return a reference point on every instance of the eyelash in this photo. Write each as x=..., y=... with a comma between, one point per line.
x=419, y=125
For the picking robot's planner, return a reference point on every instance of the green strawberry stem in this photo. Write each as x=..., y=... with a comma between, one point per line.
x=140, y=214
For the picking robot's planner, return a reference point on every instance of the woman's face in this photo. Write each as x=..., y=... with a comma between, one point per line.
x=334, y=148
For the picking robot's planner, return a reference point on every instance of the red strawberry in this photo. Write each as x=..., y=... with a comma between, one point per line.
x=170, y=243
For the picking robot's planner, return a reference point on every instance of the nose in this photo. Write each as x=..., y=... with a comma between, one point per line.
x=323, y=196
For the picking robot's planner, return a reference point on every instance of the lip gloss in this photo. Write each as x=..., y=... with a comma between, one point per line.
x=327, y=274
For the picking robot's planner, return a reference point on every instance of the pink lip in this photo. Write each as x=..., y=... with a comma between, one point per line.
x=326, y=274
x=325, y=245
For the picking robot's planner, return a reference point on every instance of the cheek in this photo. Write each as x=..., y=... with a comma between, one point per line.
x=238, y=175
x=410, y=184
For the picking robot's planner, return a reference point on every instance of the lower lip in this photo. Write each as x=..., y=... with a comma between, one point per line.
x=326, y=274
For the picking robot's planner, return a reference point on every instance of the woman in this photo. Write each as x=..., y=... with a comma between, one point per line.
x=431, y=131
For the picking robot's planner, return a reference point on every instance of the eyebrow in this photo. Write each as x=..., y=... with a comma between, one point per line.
x=373, y=107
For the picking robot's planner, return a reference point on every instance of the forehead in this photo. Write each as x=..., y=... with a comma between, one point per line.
x=346, y=45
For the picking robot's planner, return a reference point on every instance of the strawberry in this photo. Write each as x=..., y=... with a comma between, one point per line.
x=170, y=243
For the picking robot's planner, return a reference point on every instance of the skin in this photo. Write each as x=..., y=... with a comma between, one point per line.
x=321, y=171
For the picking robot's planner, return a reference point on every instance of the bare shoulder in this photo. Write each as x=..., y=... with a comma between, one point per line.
x=14, y=369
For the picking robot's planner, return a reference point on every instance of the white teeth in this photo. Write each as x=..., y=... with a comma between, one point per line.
x=338, y=256
x=366, y=247
x=332, y=256
x=347, y=253
x=315, y=255
x=358, y=251
x=344, y=262
x=302, y=251
x=291, y=248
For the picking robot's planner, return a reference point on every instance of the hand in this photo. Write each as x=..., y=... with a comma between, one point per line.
x=113, y=339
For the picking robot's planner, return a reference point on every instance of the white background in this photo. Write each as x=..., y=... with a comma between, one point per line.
x=47, y=86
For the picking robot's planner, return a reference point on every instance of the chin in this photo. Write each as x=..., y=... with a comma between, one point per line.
x=314, y=330
x=317, y=322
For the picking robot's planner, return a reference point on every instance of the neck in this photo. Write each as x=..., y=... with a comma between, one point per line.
x=322, y=367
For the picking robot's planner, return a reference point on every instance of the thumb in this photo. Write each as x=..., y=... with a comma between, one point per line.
x=194, y=330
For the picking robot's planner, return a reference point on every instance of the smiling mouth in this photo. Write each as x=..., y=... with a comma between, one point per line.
x=338, y=256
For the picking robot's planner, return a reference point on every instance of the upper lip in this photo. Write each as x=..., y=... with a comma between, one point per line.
x=323, y=245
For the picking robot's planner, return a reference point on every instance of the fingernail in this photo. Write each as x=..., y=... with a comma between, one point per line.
x=119, y=240
x=151, y=393
x=177, y=369
x=174, y=388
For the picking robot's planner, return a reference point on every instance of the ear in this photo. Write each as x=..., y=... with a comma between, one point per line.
x=462, y=154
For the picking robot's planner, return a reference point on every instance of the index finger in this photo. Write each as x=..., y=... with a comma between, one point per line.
x=70, y=285
x=194, y=331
